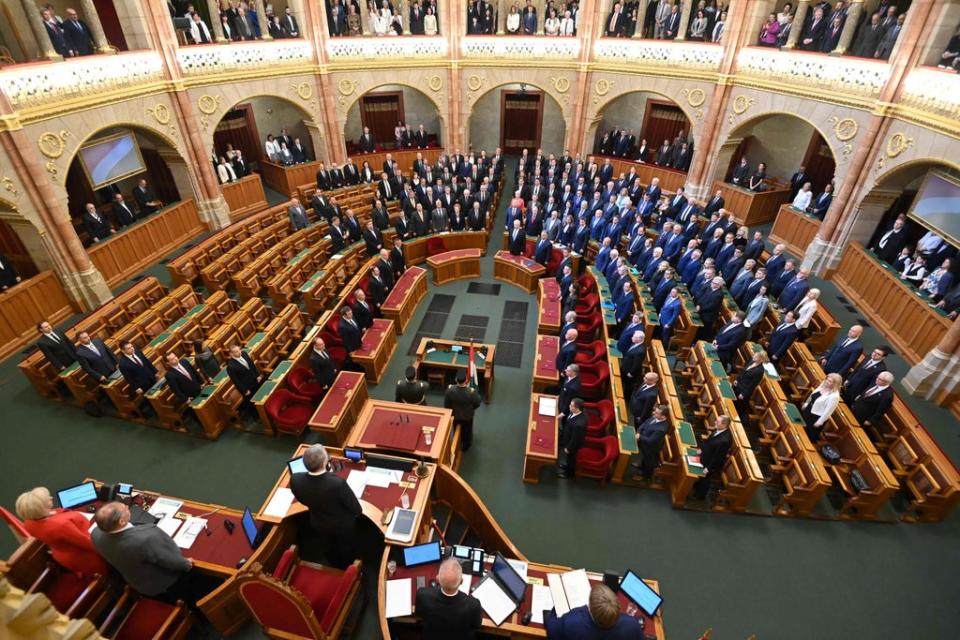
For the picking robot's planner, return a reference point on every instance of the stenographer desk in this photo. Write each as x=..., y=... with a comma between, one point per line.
x=338, y=410
x=434, y=354
x=375, y=501
x=409, y=289
x=459, y=264
x=401, y=429
x=519, y=271
x=378, y=344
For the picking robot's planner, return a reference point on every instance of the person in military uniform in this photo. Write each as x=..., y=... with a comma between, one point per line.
x=464, y=401
x=411, y=390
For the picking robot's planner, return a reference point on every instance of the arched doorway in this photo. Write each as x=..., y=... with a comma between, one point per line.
x=113, y=161
x=382, y=109
x=515, y=117
x=644, y=115
x=247, y=124
x=784, y=142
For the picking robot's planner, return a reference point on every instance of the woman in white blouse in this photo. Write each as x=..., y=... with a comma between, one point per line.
x=821, y=404
x=430, y=22
x=786, y=14
x=552, y=25
x=802, y=201
x=513, y=20
x=805, y=310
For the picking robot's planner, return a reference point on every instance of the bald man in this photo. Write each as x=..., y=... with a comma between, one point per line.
x=445, y=611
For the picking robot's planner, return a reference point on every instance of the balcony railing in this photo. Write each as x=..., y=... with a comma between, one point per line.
x=691, y=56
x=933, y=91
x=856, y=77
x=243, y=57
x=520, y=48
x=386, y=48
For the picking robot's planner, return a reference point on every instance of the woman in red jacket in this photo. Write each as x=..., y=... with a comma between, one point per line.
x=65, y=532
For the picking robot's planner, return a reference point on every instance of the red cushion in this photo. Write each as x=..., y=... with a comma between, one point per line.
x=284, y=565
x=274, y=609
x=144, y=619
x=325, y=589
x=588, y=456
x=64, y=590
x=336, y=603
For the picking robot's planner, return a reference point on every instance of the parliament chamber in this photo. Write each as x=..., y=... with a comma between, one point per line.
x=482, y=319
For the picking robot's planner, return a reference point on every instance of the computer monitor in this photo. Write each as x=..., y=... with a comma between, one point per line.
x=354, y=455
x=77, y=495
x=508, y=578
x=250, y=528
x=124, y=489
x=421, y=554
x=641, y=593
x=296, y=465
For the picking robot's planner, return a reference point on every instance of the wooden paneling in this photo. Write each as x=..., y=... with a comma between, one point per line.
x=904, y=318
x=128, y=252
x=670, y=179
x=794, y=229
x=21, y=307
x=244, y=197
x=285, y=180
x=751, y=207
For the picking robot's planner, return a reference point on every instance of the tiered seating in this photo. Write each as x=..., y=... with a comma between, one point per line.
x=217, y=274
x=249, y=280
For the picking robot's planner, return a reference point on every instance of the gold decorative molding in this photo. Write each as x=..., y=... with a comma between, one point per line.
x=845, y=129
x=695, y=97
x=52, y=144
x=303, y=90
x=160, y=112
x=603, y=86
x=346, y=86
x=561, y=84
x=474, y=82
x=8, y=186
x=434, y=82
x=208, y=104
x=897, y=144
x=741, y=103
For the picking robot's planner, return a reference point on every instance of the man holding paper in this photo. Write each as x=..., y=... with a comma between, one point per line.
x=601, y=618
x=446, y=612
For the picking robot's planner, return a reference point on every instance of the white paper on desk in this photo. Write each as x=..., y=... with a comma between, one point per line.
x=163, y=507
x=542, y=601
x=557, y=594
x=547, y=407
x=380, y=477
x=189, y=532
x=280, y=503
x=519, y=566
x=169, y=525
x=577, y=588
x=357, y=481
x=399, y=598
x=770, y=369
x=465, y=584
x=495, y=602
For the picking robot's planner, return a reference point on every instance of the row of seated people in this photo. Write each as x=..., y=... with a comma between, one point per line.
x=237, y=21
x=404, y=137
x=622, y=143
x=98, y=223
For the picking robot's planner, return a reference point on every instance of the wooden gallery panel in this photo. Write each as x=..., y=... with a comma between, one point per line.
x=21, y=307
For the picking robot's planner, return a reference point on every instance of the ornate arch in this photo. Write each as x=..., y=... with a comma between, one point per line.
x=350, y=90
x=691, y=101
x=212, y=107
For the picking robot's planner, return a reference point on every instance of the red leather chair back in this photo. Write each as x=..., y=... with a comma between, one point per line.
x=15, y=525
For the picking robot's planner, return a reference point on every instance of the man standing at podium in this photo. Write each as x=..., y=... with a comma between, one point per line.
x=464, y=401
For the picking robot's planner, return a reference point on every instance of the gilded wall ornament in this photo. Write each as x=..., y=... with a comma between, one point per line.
x=303, y=90
x=474, y=82
x=602, y=87
x=346, y=86
x=52, y=144
x=160, y=112
x=435, y=83
x=561, y=84
x=208, y=104
x=897, y=144
x=8, y=186
x=845, y=129
x=695, y=97
x=741, y=103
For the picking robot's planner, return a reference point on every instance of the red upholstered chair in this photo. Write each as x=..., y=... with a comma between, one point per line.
x=556, y=255
x=300, y=599
x=586, y=284
x=587, y=304
x=593, y=380
x=596, y=456
x=599, y=417
x=15, y=526
x=289, y=411
x=139, y=618
x=590, y=353
x=302, y=383
x=435, y=245
x=588, y=328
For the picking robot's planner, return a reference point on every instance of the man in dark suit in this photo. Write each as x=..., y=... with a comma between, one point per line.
x=373, y=239
x=410, y=390
x=813, y=32
x=397, y=259
x=182, y=378
x=567, y=351
x=95, y=358
x=650, y=437
x=464, y=401
x=8, y=275
x=321, y=364
x=243, y=372
x=377, y=287
x=367, y=142
x=385, y=188
x=517, y=240
x=892, y=242
x=600, y=618
x=632, y=364
x=362, y=310
x=136, y=368
x=95, y=224
x=445, y=611
x=729, y=339
x=146, y=201
x=644, y=398
x=709, y=306
x=822, y=202
x=338, y=236
x=77, y=35
x=349, y=329
x=713, y=455
x=321, y=206
x=863, y=376
x=782, y=336
x=57, y=348
x=742, y=173
x=55, y=32
x=795, y=289
x=868, y=407
x=298, y=151
x=714, y=204
x=543, y=250
x=844, y=353
x=569, y=390
x=289, y=24
x=332, y=505
x=419, y=224
x=571, y=437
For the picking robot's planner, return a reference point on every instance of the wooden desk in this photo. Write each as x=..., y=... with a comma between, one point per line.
x=409, y=289
x=338, y=411
x=374, y=500
x=795, y=229
x=285, y=180
x=751, y=208
x=543, y=433
x=517, y=270
x=442, y=357
x=379, y=343
x=545, y=372
x=417, y=250
x=459, y=264
x=549, y=318
x=394, y=427
x=244, y=197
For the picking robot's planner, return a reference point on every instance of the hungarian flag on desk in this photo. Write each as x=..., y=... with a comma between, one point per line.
x=472, y=367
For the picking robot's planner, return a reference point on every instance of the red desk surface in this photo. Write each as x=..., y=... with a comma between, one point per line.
x=335, y=401
x=403, y=286
x=374, y=336
x=550, y=303
x=544, y=435
x=456, y=254
x=383, y=422
x=547, y=347
x=521, y=261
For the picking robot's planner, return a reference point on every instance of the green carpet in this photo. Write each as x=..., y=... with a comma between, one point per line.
x=739, y=574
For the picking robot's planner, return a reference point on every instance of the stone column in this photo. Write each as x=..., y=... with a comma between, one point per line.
x=937, y=376
x=502, y=11
x=262, y=19
x=44, y=46
x=316, y=137
x=797, y=26
x=849, y=28
x=685, y=10
x=404, y=9
x=213, y=6
x=641, y=17
x=541, y=16
x=93, y=21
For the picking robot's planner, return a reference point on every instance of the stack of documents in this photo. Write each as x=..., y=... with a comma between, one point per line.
x=279, y=503
x=399, y=598
x=165, y=507
x=189, y=531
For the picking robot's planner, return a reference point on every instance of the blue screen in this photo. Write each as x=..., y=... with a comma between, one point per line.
x=353, y=454
x=78, y=495
x=296, y=465
x=422, y=554
x=509, y=578
x=124, y=489
x=638, y=591
x=249, y=526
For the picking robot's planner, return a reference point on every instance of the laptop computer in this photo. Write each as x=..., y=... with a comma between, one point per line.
x=501, y=591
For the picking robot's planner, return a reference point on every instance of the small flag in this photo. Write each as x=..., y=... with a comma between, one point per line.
x=472, y=370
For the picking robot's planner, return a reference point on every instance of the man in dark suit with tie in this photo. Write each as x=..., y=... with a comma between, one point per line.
x=367, y=142
x=569, y=390
x=338, y=236
x=572, y=435
x=373, y=239
x=397, y=259
x=632, y=363
x=95, y=224
x=55, y=32
x=709, y=306
x=182, y=378
x=813, y=32
x=870, y=406
x=742, y=173
x=136, y=369
x=349, y=329
x=444, y=610
x=891, y=242
x=644, y=398
x=95, y=358
x=714, y=204
x=323, y=367
x=517, y=240
x=243, y=373
x=332, y=505
x=713, y=455
x=650, y=437
x=543, y=250
x=567, y=351
x=866, y=372
x=146, y=201
x=795, y=289
x=57, y=348
x=77, y=35
x=729, y=339
x=362, y=310
x=122, y=212
x=782, y=336
x=821, y=204
x=844, y=353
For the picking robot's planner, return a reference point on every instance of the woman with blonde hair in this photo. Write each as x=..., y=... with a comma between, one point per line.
x=806, y=309
x=66, y=533
x=821, y=404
